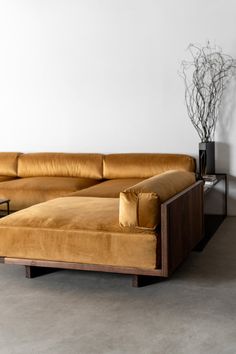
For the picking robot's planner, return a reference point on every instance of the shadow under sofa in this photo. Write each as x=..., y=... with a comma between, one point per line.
x=138, y=214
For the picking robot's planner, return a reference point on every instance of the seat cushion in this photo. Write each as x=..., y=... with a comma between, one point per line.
x=24, y=192
x=144, y=165
x=108, y=189
x=74, y=229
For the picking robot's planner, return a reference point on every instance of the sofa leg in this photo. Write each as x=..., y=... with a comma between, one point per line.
x=33, y=272
x=143, y=280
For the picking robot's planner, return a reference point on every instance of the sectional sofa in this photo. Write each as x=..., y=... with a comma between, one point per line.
x=138, y=214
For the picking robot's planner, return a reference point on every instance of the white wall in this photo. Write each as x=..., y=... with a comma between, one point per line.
x=101, y=75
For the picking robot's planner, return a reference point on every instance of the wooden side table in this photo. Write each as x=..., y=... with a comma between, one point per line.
x=7, y=202
x=215, y=207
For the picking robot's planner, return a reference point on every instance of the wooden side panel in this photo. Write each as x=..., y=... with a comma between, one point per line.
x=182, y=226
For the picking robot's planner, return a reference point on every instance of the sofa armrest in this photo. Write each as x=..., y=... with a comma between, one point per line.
x=182, y=226
x=140, y=205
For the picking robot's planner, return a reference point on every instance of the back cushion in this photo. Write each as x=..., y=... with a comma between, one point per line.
x=8, y=163
x=60, y=165
x=144, y=165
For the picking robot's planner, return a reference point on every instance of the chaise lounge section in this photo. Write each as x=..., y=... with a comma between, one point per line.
x=141, y=215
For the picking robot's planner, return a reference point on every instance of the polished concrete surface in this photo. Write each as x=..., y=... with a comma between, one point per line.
x=73, y=312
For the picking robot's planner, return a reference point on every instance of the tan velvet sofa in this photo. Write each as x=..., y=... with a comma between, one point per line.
x=139, y=214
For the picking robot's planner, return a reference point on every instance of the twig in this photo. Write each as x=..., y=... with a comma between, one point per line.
x=205, y=79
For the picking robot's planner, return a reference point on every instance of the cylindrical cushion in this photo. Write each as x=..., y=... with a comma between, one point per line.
x=140, y=204
x=8, y=163
x=144, y=165
x=60, y=165
x=139, y=210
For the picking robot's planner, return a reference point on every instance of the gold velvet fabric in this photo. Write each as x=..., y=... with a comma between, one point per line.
x=140, y=204
x=24, y=192
x=108, y=189
x=74, y=229
x=8, y=163
x=144, y=165
x=61, y=165
x=5, y=178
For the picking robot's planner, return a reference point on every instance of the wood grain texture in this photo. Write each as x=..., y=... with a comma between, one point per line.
x=181, y=226
x=82, y=266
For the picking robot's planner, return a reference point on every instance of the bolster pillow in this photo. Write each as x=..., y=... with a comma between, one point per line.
x=8, y=163
x=140, y=205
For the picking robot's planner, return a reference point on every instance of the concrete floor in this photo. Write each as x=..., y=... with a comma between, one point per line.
x=74, y=312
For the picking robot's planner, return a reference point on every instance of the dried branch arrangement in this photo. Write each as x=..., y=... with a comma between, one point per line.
x=205, y=78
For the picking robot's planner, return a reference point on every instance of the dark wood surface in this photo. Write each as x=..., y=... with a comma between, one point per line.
x=2, y=200
x=181, y=226
x=139, y=281
x=33, y=272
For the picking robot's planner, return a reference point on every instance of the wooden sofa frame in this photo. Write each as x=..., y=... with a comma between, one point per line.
x=181, y=230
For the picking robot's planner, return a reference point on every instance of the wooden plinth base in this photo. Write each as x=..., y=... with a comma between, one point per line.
x=33, y=272
x=139, y=281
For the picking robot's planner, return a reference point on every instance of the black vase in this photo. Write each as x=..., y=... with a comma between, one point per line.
x=207, y=158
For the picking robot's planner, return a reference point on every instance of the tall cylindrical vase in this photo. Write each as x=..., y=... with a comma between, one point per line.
x=206, y=158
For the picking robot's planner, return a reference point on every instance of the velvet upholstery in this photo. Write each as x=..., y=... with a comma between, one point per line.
x=108, y=189
x=74, y=229
x=144, y=165
x=140, y=205
x=8, y=163
x=60, y=165
x=92, y=225
x=24, y=192
x=6, y=178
